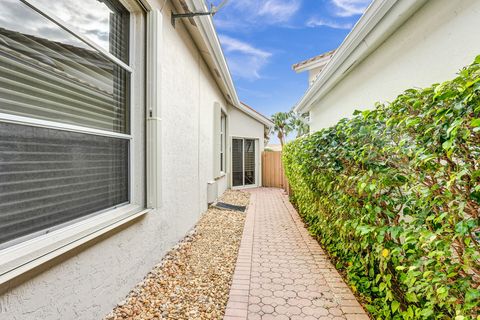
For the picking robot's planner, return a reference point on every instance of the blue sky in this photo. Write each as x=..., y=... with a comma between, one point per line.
x=262, y=39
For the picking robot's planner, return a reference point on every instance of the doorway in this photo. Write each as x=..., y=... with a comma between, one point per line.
x=244, y=162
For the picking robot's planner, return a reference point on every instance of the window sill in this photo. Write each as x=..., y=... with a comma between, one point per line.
x=27, y=255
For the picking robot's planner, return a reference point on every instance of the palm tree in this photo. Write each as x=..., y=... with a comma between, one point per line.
x=281, y=125
x=299, y=124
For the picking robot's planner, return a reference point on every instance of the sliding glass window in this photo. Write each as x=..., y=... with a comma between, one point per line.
x=65, y=128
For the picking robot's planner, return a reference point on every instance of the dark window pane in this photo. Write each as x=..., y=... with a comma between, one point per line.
x=237, y=162
x=49, y=177
x=221, y=162
x=46, y=73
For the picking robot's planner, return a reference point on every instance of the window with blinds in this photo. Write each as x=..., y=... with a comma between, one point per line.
x=52, y=79
x=48, y=74
x=105, y=22
x=49, y=177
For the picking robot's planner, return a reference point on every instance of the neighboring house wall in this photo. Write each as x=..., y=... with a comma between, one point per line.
x=312, y=75
x=87, y=282
x=430, y=47
x=242, y=125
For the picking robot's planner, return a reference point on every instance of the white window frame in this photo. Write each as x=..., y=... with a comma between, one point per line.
x=24, y=256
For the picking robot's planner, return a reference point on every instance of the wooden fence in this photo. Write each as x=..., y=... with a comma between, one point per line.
x=273, y=174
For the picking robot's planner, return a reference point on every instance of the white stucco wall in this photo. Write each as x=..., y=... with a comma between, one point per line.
x=88, y=282
x=242, y=125
x=312, y=74
x=430, y=47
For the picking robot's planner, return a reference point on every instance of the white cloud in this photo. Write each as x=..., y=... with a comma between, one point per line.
x=235, y=45
x=244, y=60
x=254, y=13
x=348, y=8
x=330, y=24
x=278, y=10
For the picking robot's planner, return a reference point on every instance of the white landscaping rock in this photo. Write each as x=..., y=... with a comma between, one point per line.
x=193, y=280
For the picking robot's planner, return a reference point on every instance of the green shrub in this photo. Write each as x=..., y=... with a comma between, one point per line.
x=393, y=195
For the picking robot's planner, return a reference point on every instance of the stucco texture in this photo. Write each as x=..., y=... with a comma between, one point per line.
x=242, y=125
x=87, y=283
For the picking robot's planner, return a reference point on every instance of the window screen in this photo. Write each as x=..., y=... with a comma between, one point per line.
x=48, y=177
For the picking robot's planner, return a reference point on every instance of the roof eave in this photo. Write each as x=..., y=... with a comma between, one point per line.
x=214, y=51
x=379, y=21
x=312, y=65
x=256, y=115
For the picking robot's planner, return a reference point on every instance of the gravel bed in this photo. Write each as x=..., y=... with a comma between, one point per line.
x=193, y=280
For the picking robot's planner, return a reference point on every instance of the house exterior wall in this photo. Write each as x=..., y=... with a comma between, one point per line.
x=312, y=74
x=87, y=282
x=430, y=47
x=242, y=125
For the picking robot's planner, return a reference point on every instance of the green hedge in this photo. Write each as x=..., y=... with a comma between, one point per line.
x=393, y=195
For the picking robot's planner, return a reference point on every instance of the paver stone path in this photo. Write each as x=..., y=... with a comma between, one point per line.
x=281, y=271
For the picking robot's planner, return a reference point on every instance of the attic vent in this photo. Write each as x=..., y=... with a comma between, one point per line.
x=217, y=73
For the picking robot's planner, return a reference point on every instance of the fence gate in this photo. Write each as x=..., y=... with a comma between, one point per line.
x=273, y=174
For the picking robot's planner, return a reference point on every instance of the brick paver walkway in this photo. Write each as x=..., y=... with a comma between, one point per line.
x=282, y=272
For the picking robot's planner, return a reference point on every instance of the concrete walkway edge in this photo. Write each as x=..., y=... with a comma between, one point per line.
x=237, y=306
